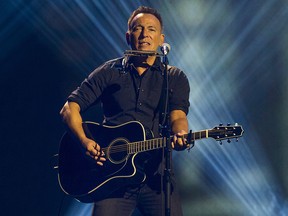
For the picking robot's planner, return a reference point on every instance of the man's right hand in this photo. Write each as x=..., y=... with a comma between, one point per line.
x=71, y=116
x=93, y=150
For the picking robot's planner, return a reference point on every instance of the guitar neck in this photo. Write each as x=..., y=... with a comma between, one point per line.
x=158, y=143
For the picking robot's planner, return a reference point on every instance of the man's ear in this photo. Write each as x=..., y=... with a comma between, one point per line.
x=162, y=39
x=128, y=38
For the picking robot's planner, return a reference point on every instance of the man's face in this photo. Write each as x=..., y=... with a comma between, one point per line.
x=145, y=33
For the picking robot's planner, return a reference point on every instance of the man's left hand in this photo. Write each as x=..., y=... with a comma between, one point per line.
x=179, y=143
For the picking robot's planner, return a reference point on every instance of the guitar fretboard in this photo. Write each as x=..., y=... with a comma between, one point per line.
x=146, y=145
x=157, y=143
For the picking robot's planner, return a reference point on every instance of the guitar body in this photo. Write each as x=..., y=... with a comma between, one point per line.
x=80, y=176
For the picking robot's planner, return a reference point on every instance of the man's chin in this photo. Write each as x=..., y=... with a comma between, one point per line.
x=147, y=49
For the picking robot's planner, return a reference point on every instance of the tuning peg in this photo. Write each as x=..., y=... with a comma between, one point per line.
x=228, y=124
x=220, y=124
x=220, y=142
x=229, y=141
x=237, y=139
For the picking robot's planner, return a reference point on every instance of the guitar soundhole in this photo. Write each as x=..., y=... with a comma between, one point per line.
x=117, y=151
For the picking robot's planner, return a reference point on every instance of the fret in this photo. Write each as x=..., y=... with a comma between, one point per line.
x=134, y=147
x=139, y=146
x=196, y=135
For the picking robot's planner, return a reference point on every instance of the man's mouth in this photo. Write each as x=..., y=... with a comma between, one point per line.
x=144, y=43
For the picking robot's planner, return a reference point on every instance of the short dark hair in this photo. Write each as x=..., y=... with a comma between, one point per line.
x=147, y=10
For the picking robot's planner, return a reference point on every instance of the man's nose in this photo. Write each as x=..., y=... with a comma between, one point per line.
x=144, y=32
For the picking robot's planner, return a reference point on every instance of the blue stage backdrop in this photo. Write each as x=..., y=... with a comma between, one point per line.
x=234, y=54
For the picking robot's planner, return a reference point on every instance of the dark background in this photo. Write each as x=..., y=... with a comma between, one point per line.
x=47, y=49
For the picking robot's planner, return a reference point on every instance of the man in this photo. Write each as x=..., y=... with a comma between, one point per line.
x=132, y=92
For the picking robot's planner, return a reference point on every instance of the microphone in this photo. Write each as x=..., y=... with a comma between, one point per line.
x=165, y=48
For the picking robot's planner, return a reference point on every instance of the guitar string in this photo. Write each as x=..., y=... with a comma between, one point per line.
x=136, y=146
x=148, y=144
x=124, y=147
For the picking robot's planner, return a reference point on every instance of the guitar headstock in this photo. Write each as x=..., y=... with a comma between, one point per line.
x=226, y=132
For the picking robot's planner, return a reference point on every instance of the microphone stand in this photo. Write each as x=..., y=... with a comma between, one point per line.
x=164, y=125
x=165, y=131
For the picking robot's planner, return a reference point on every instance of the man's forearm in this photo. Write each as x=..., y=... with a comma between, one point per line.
x=71, y=117
x=180, y=124
x=178, y=121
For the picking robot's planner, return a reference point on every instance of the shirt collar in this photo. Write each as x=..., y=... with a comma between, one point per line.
x=156, y=66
